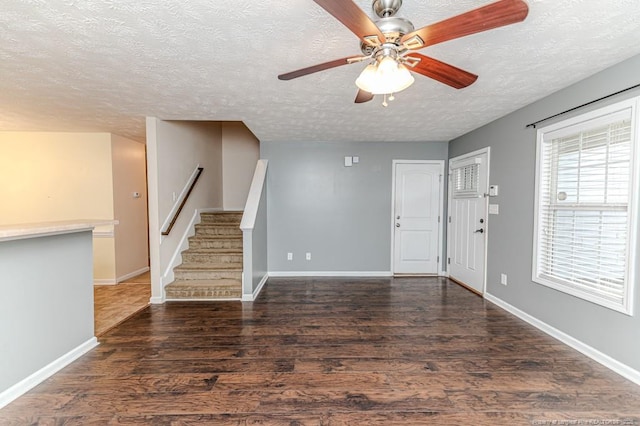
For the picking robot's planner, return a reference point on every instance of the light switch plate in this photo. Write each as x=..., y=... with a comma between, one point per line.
x=494, y=209
x=348, y=161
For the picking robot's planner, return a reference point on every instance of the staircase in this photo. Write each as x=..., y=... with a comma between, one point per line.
x=211, y=267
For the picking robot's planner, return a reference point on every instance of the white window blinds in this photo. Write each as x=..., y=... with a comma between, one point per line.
x=583, y=199
x=465, y=180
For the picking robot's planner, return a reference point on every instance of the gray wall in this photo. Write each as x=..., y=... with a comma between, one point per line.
x=340, y=214
x=46, y=308
x=511, y=232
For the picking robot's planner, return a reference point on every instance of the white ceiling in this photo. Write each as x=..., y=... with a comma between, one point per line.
x=103, y=65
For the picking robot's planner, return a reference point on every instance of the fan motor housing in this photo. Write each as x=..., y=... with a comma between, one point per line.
x=393, y=29
x=386, y=8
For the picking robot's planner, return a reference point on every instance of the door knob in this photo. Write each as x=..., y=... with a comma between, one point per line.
x=480, y=230
x=397, y=225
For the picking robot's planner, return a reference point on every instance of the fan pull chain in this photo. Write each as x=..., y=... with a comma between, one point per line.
x=384, y=102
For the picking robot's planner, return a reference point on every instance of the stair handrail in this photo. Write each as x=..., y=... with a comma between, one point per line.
x=183, y=202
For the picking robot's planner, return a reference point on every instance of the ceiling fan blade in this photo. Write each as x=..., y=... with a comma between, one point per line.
x=319, y=67
x=352, y=17
x=444, y=73
x=363, y=96
x=494, y=15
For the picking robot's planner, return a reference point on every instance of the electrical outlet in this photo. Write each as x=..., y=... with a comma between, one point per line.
x=289, y=256
x=173, y=196
x=503, y=279
x=308, y=256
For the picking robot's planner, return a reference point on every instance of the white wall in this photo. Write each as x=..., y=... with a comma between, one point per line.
x=174, y=150
x=129, y=176
x=254, y=234
x=240, y=153
x=51, y=176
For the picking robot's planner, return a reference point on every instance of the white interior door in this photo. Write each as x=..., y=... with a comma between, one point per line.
x=467, y=230
x=416, y=211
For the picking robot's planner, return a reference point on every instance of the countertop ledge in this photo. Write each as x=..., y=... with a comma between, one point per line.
x=34, y=230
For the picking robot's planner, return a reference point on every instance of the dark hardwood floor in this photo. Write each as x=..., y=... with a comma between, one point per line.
x=407, y=351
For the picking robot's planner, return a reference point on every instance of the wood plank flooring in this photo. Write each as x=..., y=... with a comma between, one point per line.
x=113, y=304
x=408, y=351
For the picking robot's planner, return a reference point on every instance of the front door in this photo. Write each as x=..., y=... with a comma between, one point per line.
x=416, y=211
x=467, y=230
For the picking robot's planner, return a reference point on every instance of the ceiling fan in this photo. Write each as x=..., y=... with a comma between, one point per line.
x=390, y=43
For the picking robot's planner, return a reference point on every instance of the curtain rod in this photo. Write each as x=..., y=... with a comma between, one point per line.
x=580, y=106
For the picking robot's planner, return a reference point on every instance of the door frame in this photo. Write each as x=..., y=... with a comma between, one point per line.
x=441, y=164
x=486, y=150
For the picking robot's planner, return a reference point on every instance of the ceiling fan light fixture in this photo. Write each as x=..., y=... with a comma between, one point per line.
x=384, y=77
x=402, y=79
x=387, y=67
x=367, y=79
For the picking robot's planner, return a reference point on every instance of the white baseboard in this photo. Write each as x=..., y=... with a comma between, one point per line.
x=111, y=281
x=602, y=358
x=133, y=274
x=45, y=372
x=444, y=274
x=330, y=274
x=156, y=300
x=195, y=299
x=176, y=258
x=254, y=296
x=183, y=244
x=105, y=281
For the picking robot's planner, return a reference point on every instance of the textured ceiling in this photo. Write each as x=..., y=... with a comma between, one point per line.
x=103, y=65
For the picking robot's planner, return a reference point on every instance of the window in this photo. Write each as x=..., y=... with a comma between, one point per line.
x=465, y=180
x=585, y=224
